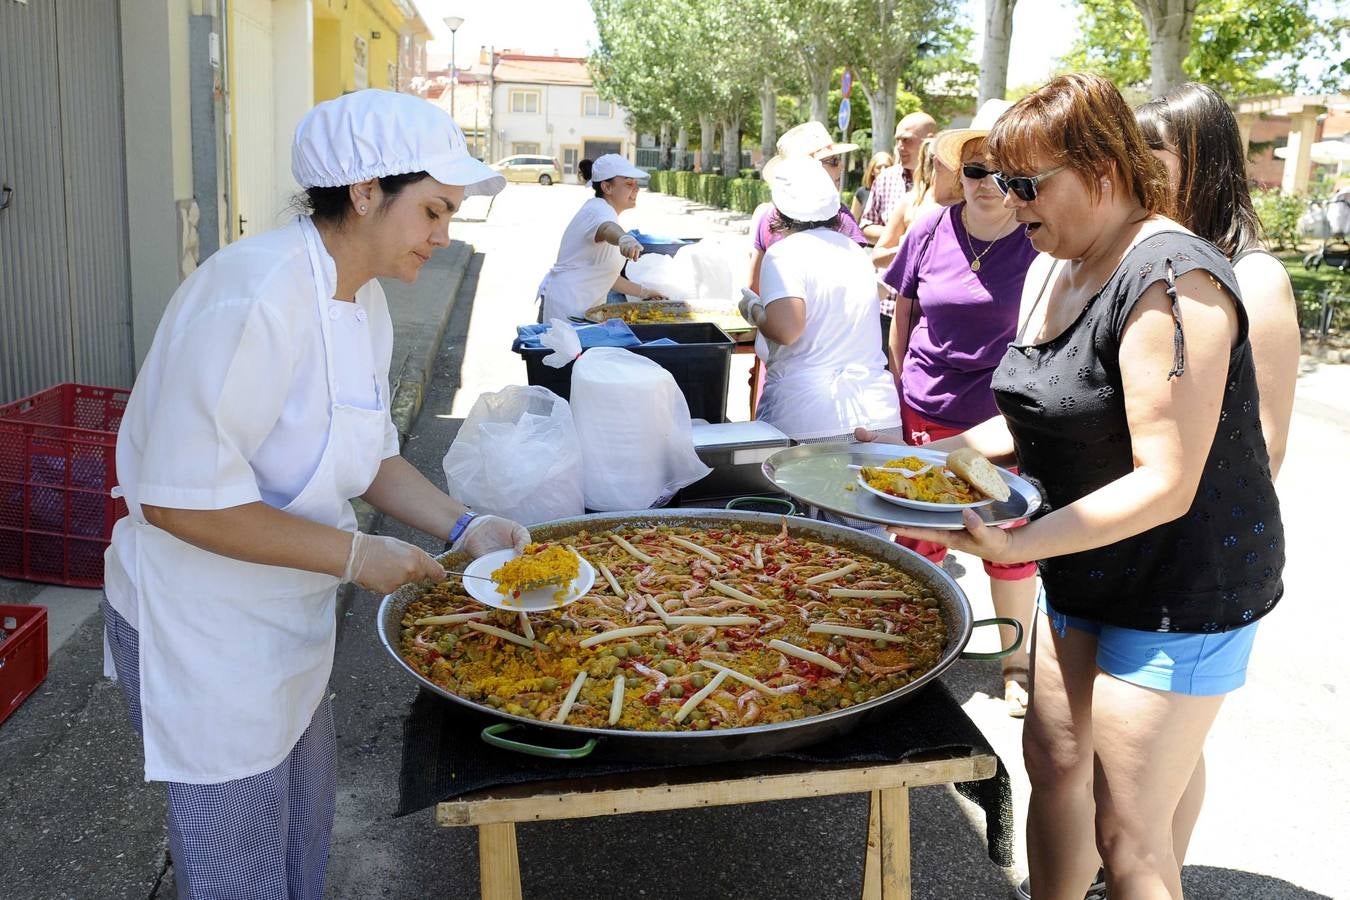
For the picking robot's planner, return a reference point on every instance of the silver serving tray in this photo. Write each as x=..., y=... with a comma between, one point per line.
x=819, y=475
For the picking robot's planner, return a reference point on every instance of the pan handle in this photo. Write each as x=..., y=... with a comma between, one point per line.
x=998, y=654
x=493, y=735
x=788, y=507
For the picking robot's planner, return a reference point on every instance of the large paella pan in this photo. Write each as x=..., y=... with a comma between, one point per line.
x=709, y=635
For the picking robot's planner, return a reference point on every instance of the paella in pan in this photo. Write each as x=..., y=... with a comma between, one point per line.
x=687, y=629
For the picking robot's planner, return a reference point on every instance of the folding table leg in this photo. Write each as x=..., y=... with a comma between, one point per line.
x=498, y=862
x=871, y=889
x=896, y=873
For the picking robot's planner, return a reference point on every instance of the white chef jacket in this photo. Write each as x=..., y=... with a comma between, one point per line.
x=833, y=378
x=231, y=405
x=586, y=268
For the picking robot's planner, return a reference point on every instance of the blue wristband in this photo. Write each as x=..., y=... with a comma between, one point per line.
x=460, y=524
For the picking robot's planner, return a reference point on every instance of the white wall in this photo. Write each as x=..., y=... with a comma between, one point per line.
x=293, y=85
x=558, y=123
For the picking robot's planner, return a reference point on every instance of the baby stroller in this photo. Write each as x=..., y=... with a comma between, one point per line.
x=1333, y=218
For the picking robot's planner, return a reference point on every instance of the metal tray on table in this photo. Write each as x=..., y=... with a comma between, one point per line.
x=819, y=475
x=722, y=313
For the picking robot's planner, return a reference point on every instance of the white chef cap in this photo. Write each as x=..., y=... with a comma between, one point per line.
x=803, y=190
x=612, y=165
x=374, y=134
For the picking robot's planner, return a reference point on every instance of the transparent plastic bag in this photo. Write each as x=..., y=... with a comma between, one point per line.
x=667, y=275
x=635, y=431
x=517, y=455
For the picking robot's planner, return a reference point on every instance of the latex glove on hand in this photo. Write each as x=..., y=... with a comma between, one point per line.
x=381, y=564
x=629, y=246
x=488, y=533
x=751, y=307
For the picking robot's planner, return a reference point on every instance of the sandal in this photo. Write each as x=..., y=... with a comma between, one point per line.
x=1016, y=694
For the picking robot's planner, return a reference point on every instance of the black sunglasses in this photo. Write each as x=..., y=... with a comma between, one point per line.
x=974, y=172
x=1024, y=186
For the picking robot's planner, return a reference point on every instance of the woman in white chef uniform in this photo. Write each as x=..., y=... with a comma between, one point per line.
x=819, y=329
x=594, y=245
x=261, y=410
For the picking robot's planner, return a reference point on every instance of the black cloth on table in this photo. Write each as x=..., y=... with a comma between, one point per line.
x=444, y=757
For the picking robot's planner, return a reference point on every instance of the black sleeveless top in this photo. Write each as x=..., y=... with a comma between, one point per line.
x=1218, y=566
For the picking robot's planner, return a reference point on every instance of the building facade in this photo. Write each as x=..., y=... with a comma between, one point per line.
x=548, y=105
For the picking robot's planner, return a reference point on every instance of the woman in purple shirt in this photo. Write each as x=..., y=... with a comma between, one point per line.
x=958, y=278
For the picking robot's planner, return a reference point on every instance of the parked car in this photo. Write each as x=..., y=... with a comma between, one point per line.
x=543, y=169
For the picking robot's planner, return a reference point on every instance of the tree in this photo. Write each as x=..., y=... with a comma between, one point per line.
x=1232, y=46
x=1169, y=38
x=998, y=26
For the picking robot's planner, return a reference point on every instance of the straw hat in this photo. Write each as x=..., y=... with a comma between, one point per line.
x=808, y=139
x=947, y=145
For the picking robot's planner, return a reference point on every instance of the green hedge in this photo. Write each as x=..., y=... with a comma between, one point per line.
x=740, y=194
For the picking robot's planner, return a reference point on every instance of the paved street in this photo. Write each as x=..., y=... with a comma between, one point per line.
x=76, y=821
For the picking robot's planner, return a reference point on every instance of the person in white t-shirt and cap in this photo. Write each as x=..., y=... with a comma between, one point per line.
x=819, y=330
x=261, y=411
x=594, y=245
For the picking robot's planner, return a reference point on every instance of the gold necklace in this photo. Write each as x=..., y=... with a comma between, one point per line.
x=974, y=263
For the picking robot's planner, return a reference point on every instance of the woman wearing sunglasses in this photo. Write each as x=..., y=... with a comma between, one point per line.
x=958, y=279
x=1130, y=398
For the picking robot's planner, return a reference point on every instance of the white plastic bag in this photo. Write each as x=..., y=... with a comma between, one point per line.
x=718, y=266
x=562, y=339
x=517, y=455
x=667, y=275
x=636, y=436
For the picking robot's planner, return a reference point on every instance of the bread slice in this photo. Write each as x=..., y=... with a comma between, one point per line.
x=979, y=472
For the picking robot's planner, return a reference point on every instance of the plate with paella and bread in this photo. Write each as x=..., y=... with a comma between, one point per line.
x=890, y=484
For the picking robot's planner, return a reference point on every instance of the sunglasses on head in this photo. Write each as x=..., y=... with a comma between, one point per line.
x=1024, y=186
x=975, y=172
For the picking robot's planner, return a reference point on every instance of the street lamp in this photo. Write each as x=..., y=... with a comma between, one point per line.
x=453, y=23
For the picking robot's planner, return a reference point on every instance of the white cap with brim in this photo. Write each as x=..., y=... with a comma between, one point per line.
x=612, y=165
x=947, y=145
x=802, y=190
x=375, y=134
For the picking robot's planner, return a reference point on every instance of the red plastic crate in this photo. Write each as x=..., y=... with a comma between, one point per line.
x=57, y=468
x=23, y=654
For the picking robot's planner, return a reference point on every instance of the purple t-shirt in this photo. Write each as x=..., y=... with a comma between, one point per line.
x=964, y=321
x=765, y=238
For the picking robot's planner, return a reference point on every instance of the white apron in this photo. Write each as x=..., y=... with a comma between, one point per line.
x=235, y=656
x=807, y=402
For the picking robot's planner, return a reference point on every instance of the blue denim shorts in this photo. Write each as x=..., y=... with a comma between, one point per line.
x=1200, y=665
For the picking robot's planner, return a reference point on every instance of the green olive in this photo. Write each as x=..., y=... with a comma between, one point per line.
x=676, y=690
x=689, y=637
x=550, y=684
x=621, y=651
x=723, y=647
x=669, y=667
x=698, y=681
x=859, y=696
x=879, y=644
x=634, y=648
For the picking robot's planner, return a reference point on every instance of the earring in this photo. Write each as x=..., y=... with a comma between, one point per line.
x=363, y=210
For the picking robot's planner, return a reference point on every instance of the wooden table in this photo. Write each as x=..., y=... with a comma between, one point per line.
x=886, y=874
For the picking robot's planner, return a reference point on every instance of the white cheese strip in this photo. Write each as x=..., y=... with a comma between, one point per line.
x=526, y=627
x=735, y=594
x=613, y=582
x=501, y=633
x=616, y=702
x=702, y=695
x=571, y=697
x=848, y=631
x=810, y=656
x=633, y=551
x=711, y=620
x=615, y=633
x=873, y=595
x=455, y=619
x=831, y=576
x=759, y=556
x=741, y=677
x=694, y=548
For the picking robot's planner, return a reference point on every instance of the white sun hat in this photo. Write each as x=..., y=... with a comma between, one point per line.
x=612, y=165
x=374, y=134
x=947, y=145
x=803, y=190
x=807, y=139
